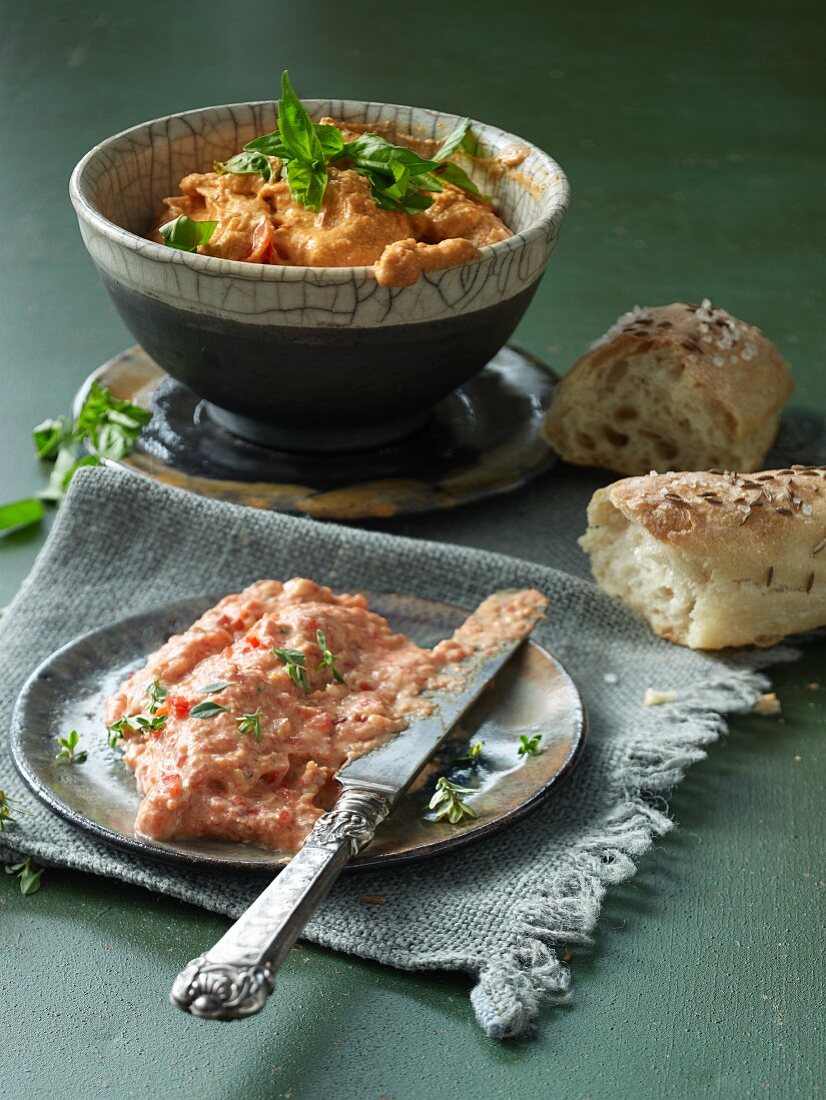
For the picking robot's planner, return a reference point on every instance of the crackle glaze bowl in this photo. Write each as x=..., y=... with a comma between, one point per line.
x=310, y=359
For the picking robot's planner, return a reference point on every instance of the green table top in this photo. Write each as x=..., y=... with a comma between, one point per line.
x=694, y=142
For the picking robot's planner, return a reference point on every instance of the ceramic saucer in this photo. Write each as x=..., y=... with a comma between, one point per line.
x=484, y=438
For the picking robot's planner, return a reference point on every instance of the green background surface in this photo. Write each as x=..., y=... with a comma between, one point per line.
x=693, y=136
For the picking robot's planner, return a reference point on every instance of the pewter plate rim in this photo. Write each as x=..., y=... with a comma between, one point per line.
x=174, y=854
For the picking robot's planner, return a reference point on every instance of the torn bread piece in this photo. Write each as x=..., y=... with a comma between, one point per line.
x=676, y=387
x=715, y=559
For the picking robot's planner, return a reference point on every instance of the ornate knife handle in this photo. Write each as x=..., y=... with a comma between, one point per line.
x=237, y=975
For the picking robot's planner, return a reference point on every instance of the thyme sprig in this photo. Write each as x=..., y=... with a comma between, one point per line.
x=157, y=694
x=327, y=661
x=529, y=746
x=8, y=807
x=69, y=751
x=447, y=802
x=296, y=665
x=250, y=723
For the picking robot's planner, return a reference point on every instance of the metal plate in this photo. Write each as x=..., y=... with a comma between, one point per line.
x=483, y=439
x=534, y=694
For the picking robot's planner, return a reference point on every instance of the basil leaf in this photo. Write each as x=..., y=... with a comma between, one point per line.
x=307, y=183
x=20, y=513
x=372, y=151
x=65, y=468
x=108, y=424
x=296, y=127
x=272, y=145
x=428, y=182
x=246, y=164
x=331, y=140
x=185, y=234
x=49, y=435
x=207, y=709
x=459, y=177
x=454, y=140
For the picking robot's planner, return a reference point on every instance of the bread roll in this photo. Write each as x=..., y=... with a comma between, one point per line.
x=715, y=559
x=677, y=387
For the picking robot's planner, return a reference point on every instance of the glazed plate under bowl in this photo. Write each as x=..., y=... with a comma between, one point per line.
x=533, y=695
x=310, y=359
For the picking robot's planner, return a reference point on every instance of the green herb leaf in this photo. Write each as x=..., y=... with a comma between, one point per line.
x=64, y=469
x=454, y=140
x=219, y=685
x=20, y=513
x=8, y=808
x=250, y=723
x=271, y=145
x=452, y=173
x=529, y=746
x=447, y=803
x=28, y=874
x=118, y=729
x=473, y=753
x=307, y=183
x=157, y=694
x=330, y=139
x=149, y=724
x=327, y=658
x=50, y=435
x=69, y=751
x=185, y=234
x=207, y=709
x=295, y=662
x=296, y=127
x=108, y=425
x=247, y=163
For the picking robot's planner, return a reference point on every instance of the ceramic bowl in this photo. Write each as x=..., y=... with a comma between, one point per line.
x=309, y=358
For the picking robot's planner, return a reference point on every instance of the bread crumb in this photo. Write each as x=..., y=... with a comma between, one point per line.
x=768, y=704
x=611, y=678
x=654, y=698
x=814, y=686
x=798, y=759
x=373, y=899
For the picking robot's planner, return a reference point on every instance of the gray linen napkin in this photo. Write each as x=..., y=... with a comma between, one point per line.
x=500, y=909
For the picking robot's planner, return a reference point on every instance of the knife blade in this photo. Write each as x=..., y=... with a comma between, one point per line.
x=235, y=978
x=391, y=767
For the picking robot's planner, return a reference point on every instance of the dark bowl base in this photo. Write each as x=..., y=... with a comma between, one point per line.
x=324, y=440
x=482, y=439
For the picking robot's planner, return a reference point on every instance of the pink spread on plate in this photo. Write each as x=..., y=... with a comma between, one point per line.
x=299, y=679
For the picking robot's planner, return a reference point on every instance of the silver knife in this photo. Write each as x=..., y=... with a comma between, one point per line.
x=235, y=978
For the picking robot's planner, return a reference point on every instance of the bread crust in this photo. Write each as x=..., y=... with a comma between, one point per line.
x=690, y=366
x=746, y=553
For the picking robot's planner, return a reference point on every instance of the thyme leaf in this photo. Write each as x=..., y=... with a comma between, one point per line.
x=69, y=751
x=472, y=756
x=208, y=709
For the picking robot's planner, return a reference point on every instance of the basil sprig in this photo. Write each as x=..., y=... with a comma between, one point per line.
x=185, y=234
x=399, y=178
x=106, y=426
